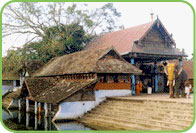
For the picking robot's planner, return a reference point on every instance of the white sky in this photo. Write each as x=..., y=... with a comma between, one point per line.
x=177, y=18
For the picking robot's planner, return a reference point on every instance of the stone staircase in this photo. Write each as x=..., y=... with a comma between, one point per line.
x=137, y=114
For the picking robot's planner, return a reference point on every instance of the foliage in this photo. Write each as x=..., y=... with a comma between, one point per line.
x=52, y=29
x=12, y=61
x=33, y=18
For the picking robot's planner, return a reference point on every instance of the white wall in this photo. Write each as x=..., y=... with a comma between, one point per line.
x=72, y=110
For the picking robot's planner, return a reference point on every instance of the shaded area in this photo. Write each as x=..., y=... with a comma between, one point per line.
x=15, y=120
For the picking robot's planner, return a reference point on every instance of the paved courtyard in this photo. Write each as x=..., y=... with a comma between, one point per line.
x=159, y=97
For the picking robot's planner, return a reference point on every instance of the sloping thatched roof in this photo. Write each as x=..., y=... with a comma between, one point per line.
x=88, y=61
x=115, y=66
x=53, y=90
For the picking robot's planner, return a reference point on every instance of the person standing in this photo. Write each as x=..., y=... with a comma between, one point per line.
x=187, y=89
x=139, y=87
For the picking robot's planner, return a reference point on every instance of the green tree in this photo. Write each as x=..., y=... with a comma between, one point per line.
x=12, y=61
x=56, y=43
x=52, y=29
x=33, y=18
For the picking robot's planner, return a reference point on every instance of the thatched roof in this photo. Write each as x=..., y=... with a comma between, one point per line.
x=88, y=61
x=115, y=66
x=54, y=90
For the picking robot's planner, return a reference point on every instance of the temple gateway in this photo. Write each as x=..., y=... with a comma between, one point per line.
x=143, y=46
x=109, y=65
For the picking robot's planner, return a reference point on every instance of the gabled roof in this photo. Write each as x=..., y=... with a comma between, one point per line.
x=123, y=40
x=88, y=61
x=53, y=90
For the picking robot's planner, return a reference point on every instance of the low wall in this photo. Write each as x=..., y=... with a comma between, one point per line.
x=73, y=110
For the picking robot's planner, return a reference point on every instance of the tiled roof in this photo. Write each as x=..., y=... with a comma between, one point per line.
x=53, y=90
x=85, y=62
x=122, y=40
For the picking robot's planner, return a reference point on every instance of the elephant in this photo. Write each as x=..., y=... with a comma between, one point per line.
x=176, y=79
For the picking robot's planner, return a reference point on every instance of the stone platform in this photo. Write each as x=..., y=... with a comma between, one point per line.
x=156, y=97
x=156, y=112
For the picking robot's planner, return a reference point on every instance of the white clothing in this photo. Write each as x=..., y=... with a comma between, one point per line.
x=187, y=89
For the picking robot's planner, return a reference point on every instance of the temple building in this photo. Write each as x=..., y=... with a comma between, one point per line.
x=143, y=46
x=75, y=83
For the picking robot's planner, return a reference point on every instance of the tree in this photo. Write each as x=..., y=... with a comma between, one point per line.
x=12, y=61
x=33, y=19
x=56, y=43
x=51, y=30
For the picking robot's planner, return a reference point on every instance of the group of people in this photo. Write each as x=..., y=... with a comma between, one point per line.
x=188, y=88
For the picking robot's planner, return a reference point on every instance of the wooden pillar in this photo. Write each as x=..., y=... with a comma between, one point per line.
x=46, y=109
x=27, y=105
x=45, y=123
x=156, y=77
x=50, y=107
x=35, y=122
x=35, y=107
x=27, y=119
x=19, y=104
x=19, y=116
x=50, y=123
x=133, y=78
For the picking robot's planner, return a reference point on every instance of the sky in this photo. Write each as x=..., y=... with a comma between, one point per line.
x=176, y=17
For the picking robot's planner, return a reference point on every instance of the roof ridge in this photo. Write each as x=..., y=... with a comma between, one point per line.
x=128, y=28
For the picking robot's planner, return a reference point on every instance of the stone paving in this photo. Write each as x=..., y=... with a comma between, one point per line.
x=145, y=112
x=159, y=97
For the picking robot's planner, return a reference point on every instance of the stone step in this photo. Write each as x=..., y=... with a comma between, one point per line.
x=123, y=116
x=153, y=105
x=142, y=124
x=134, y=114
x=110, y=124
x=157, y=114
x=149, y=101
x=147, y=109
